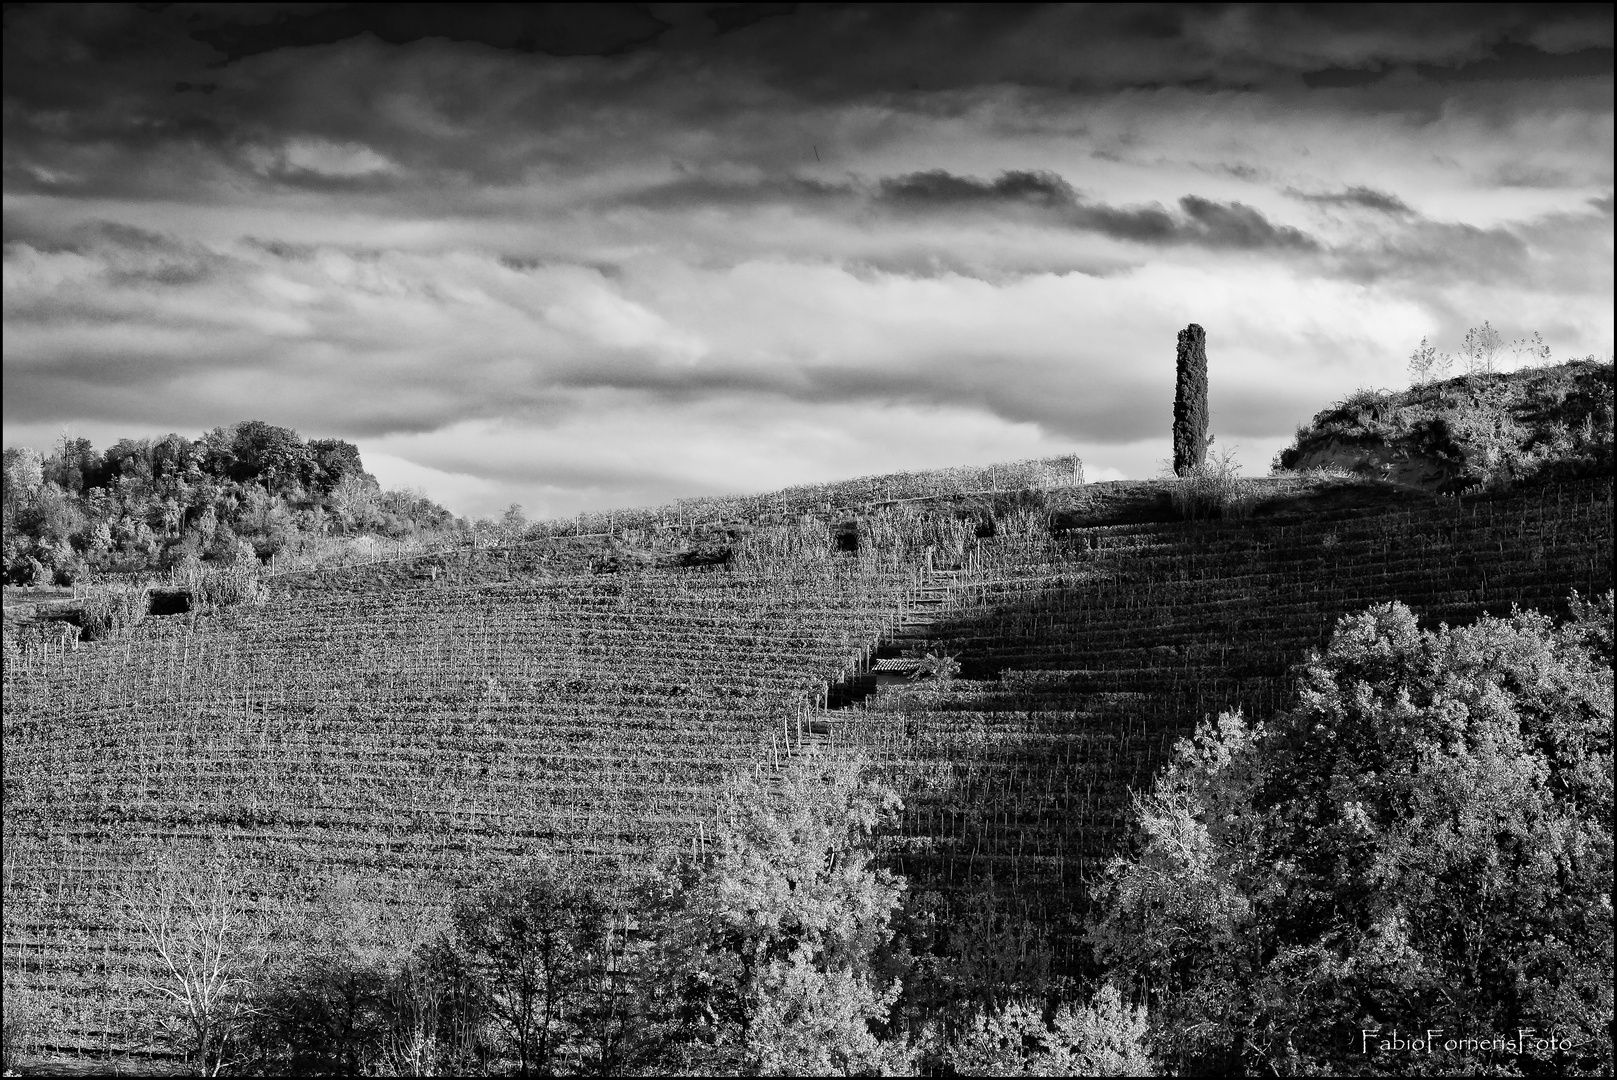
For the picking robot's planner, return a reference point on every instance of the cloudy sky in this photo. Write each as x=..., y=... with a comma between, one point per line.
x=583, y=257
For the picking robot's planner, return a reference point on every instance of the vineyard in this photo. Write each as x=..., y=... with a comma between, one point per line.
x=1087, y=655
x=391, y=735
x=394, y=743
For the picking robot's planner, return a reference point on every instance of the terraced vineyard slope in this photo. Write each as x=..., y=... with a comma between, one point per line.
x=388, y=746
x=1086, y=655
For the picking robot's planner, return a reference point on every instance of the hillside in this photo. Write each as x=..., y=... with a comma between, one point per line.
x=1085, y=655
x=388, y=745
x=1487, y=429
x=381, y=737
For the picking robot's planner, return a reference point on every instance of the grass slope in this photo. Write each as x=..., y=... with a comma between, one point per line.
x=1493, y=430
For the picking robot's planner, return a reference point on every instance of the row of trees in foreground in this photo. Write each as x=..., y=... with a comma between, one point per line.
x=1420, y=850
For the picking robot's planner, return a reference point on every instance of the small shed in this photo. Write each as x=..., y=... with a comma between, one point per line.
x=894, y=671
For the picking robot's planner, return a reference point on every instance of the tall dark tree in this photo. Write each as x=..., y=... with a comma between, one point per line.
x=1190, y=401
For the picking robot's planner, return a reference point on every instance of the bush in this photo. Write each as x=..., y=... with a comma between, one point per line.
x=108, y=610
x=20, y=1028
x=1104, y=1038
x=214, y=587
x=1213, y=489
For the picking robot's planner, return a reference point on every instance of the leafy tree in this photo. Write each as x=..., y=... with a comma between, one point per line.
x=273, y=456
x=779, y=959
x=1190, y=401
x=1425, y=842
x=355, y=502
x=24, y=476
x=334, y=461
x=533, y=947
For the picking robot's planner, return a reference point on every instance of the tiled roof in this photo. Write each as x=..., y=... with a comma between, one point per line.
x=898, y=666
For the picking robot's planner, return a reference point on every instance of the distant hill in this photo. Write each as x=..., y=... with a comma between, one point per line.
x=1493, y=430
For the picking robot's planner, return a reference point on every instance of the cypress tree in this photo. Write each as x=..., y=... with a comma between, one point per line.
x=1190, y=401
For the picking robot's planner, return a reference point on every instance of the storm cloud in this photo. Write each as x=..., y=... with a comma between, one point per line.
x=584, y=256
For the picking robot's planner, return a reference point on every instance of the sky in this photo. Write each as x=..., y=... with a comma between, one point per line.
x=593, y=256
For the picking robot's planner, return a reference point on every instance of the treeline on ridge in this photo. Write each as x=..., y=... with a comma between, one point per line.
x=147, y=505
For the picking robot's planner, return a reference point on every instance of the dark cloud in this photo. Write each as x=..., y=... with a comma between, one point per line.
x=1449, y=252
x=1203, y=222
x=1235, y=225
x=703, y=191
x=938, y=187
x=1369, y=198
x=1511, y=61
x=598, y=29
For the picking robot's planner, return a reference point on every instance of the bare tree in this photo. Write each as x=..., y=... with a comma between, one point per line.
x=1533, y=348
x=1481, y=348
x=199, y=924
x=1421, y=362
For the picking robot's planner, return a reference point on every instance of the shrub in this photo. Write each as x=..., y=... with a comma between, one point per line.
x=1214, y=489
x=107, y=610
x=214, y=587
x=21, y=1027
x=1105, y=1038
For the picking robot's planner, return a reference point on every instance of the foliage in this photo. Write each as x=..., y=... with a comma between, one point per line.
x=107, y=610
x=779, y=958
x=345, y=994
x=938, y=666
x=1500, y=430
x=1190, y=439
x=1427, y=364
x=1213, y=489
x=20, y=1027
x=221, y=585
x=1104, y=1038
x=1424, y=842
x=775, y=956
x=538, y=954
x=145, y=503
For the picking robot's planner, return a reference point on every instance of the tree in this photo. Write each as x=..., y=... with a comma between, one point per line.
x=334, y=461
x=1190, y=401
x=24, y=474
x=1422, y=363
x=273, y=456
x=1481, y=348
x=1533, y=348
x=532, y=946
x=196, y=919
x=778, y=960
x=1423, y=843
x=355, y=502
x=73, y=465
